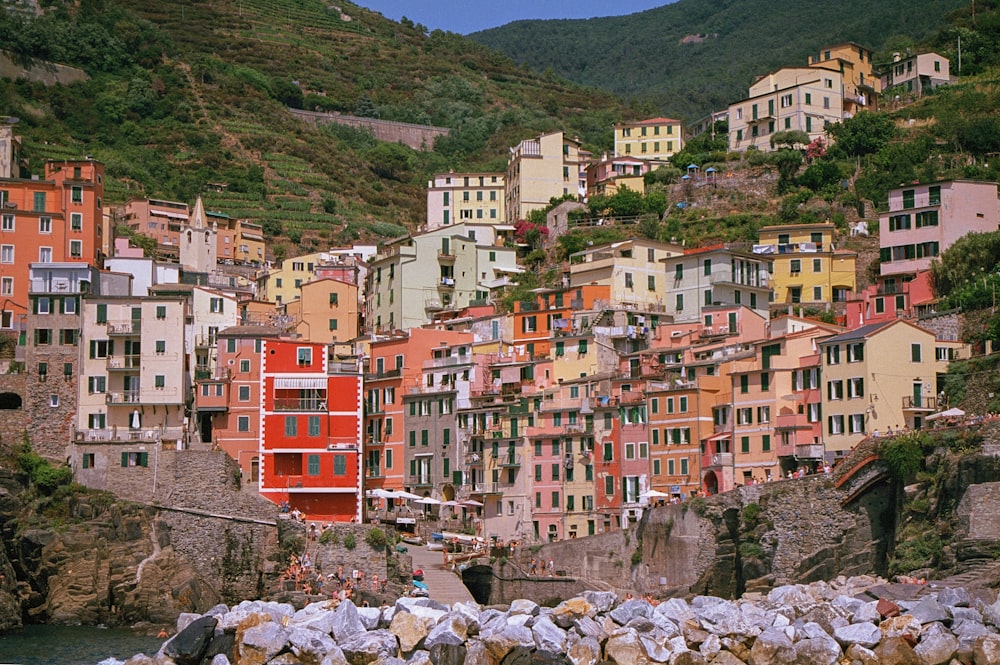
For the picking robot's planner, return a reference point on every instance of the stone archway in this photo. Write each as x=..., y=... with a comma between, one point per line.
x=10, y=402
x=710, y=484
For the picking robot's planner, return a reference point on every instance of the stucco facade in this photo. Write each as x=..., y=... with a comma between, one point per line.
x=538, y=170
x=654, y=138
x=453, y=198
x=806, y=267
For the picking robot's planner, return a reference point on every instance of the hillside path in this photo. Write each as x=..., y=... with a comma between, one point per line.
x=443, y=585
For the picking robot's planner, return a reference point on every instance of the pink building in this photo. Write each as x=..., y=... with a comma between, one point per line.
x=923, y=220
x=891, y=298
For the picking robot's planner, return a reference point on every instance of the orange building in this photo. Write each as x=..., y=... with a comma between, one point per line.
x=534, y=321
x=54, y=219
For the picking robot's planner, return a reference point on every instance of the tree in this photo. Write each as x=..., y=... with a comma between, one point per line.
x=787, y=162
x=789, y=138
x=971, y=257
x=864, y=134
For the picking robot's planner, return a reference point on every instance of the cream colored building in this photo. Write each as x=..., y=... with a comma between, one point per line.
x=453, y=198
x=632, y=268
x=326, y=310
x=916, y=74
x=539, y=170
x=281, y=284
x=791, y=98
x=133, y=384
x=805, y=265
x=655, y=138
x=878, y=377
x=448, y=268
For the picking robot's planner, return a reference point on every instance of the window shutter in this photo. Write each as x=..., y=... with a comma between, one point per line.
x=124, y=459
x=143, y=459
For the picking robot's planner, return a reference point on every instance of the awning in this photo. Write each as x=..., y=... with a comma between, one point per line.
x=301, y=383
x=164, y=213
x=252, y=236
x=720, y=437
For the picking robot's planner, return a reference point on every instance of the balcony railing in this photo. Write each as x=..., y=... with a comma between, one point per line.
x=915, y=403
x=127, y=434
x=510, y=461
x=123, y=328
x=445, y=256
x=299, y=404
x=124, y=397
x=125, y=362
x=809, y=451
x=486, y=488
x=716, y=460
x=792, y=421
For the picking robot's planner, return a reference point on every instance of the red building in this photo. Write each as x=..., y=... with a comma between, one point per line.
x=310, y=431
x=53, y=219
x=891, y=298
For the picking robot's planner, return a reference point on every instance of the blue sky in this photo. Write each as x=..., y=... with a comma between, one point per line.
x=465, y=16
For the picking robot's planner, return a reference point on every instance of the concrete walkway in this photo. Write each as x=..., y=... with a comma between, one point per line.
x=443, y=585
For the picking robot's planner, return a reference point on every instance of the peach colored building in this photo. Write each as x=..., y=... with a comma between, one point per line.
x=326, y=310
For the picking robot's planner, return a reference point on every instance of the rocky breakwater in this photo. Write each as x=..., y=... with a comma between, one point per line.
x=841, y=622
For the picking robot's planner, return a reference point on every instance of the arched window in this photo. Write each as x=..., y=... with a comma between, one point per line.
x=10, y=401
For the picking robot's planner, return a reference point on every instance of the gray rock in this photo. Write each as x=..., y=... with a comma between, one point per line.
x=991, y=613
x=936, y=648
x=188, y=646
x=726, y=658
x=500, y=638
x=345, y=622
x=601, y=600
x=368, y=646
x=369, y=616
x=629, y=610
x=711, y=647
x=865, y=634
x=222, y=643
x=219, y=659
x=548, y=636
x=318, y=621
x=773, y=646
x=309, y=645
x=656, y=647
x=866, y=612
x=217, y=610
x=792, y=595
x=277, y=612
x=568, y=611
x=261, y=643
x=725, y=619
x=588, y=627
x=420, y=657
x=929, y=610
x=446, y=641
x=676, y=609
x=406, y=603
x=522, y=656
x=184, y=619
x=848, y=605
x=522, y=606
x=470, y=613
x=954, y=597
x=817, y=651
x=966, y=614
x=688, y=658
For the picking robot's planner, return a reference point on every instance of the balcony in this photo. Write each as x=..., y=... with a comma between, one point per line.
x=447, y=283
x=299, y=404
x=374, y=472
x=129, y=434
x=487, y=488
x=809, y=451
x=717, y=461
x=146, y=396
x=792, y=421
x=124, y=397
x=445, y=257
x=528, y=306
x=473, y=459
x=123, y=328
x=421, y=482
x=130, y=362
x=510, y=461
x=914, y=403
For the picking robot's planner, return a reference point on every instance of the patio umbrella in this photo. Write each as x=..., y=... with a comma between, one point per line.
x=135, y=419
x=449, y=503
x=471, y=502
x=654, y=494
x=950, y=413
x=428, y=501
x=402, y=494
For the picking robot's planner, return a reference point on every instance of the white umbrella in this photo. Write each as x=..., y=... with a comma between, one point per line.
x=950, y=413
x=654, y=494
x=135, y=419
x=428, y=501
x=449, y=503
x=402, y=494
x=471, y=502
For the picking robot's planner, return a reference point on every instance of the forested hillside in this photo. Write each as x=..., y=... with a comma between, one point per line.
x=184, y=93
x=696, y=56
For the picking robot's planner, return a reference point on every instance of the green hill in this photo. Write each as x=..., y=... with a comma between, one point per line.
x=184, y=93
x=696, y=56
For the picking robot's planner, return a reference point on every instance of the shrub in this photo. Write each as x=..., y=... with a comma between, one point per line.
x=376, y=539
x=328, y=537
x=750, y=550
x=350, y=542
x=904, y=455
x=750, y=513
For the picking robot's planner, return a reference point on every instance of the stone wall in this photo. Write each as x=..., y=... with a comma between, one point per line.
x=40, y=71
x=418, y=137
x=944, y=325
x=14, y=422
x=508, y=584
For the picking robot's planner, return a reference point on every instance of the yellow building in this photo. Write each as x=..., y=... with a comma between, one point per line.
x=655, y=138
x=806, y=268
x=281, y=284
x=879, y=377
x=539, y=170
x=326, y=310
x=465, y=197
x=854, y=62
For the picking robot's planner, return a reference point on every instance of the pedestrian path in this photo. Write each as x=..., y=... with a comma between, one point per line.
x=443, y=585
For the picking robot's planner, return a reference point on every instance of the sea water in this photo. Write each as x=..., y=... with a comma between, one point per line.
x=73, y=645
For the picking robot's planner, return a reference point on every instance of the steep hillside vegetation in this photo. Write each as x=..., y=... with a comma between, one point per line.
x=695, y=56
x=187, y=93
